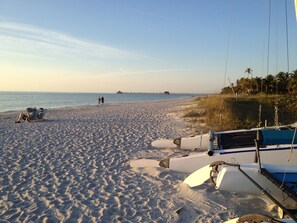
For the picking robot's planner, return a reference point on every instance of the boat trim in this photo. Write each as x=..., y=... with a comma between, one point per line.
x=253, y=150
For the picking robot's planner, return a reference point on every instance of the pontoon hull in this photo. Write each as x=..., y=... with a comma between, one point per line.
x=271, y=154
x=231, y=179
x=198, y=142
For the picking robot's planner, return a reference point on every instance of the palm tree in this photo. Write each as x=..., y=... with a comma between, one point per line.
x=249, y=71
x=270, y=83
x=282, y=81
x=258, y=83
x=244, y=85
x=292, y=84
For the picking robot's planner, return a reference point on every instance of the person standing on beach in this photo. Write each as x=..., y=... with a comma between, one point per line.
x=102, y=100
x=99, y=100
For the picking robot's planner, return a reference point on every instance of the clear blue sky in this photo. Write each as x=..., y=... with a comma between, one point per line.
x=140, y=45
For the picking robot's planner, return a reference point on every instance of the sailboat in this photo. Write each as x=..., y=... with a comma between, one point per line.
x=231, y=148
x=194, y=143
x=204, y=142
x=277, y=182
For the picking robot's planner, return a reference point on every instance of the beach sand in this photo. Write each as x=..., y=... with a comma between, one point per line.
x=74, y=167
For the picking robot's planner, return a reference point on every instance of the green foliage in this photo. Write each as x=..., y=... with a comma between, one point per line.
x=281, y=83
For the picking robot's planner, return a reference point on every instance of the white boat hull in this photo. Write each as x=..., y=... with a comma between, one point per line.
x=198, y=142
x=236, y=139
x=231, y=179
x=271, y=154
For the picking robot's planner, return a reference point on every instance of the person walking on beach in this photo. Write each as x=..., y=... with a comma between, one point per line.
x=102, y=100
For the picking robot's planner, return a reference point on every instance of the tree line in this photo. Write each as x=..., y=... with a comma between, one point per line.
x=281, y=83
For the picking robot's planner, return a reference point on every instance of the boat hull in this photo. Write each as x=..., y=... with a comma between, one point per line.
x=198, y=142
x=231, y=179
x=272, y=154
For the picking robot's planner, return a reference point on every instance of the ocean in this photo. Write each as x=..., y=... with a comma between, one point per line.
x=19, y=101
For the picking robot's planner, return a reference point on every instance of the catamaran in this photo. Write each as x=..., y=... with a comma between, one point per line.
x=237, y=138
x=236, y=146
x=194, y=143
x=277, y=182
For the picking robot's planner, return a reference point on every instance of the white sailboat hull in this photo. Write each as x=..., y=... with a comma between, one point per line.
x=231, y=179
x=271, y=154
x=198, y=142
x=202, y=142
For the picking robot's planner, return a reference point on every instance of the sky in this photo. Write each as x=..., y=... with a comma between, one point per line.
x=181, y=46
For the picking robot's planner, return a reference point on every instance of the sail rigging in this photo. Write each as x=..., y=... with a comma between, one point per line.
x=296, y=8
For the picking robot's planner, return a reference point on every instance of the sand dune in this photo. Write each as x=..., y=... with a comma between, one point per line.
x=74, y=167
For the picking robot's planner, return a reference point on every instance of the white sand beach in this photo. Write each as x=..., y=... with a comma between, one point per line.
x=74, y=167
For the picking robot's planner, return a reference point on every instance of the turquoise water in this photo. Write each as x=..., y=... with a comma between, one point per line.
x=15, y=101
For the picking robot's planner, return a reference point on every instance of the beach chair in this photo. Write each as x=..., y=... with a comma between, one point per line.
x=41, y=113
x=32, y=114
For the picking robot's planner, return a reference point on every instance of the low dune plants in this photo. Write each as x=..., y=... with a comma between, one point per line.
x=225, y=112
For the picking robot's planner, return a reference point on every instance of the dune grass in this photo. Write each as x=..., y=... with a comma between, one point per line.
x=225, y=112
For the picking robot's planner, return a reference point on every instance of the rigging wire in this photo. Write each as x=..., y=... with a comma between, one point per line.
x=267, y=13
x=296, y=8
x=267, y=65
x=268, y=42
x=293, y=140
x=226, y=62
x=287, y=37
x=276, y=40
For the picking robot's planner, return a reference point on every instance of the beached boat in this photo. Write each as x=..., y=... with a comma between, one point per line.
x=197, y=142
x=231, y=139
x=227, y=147
x=277, y=179
x=277, y=182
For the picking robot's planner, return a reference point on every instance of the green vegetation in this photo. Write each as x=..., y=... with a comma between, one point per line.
x=225, y=112
x=281, y=83
x=251, y=102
